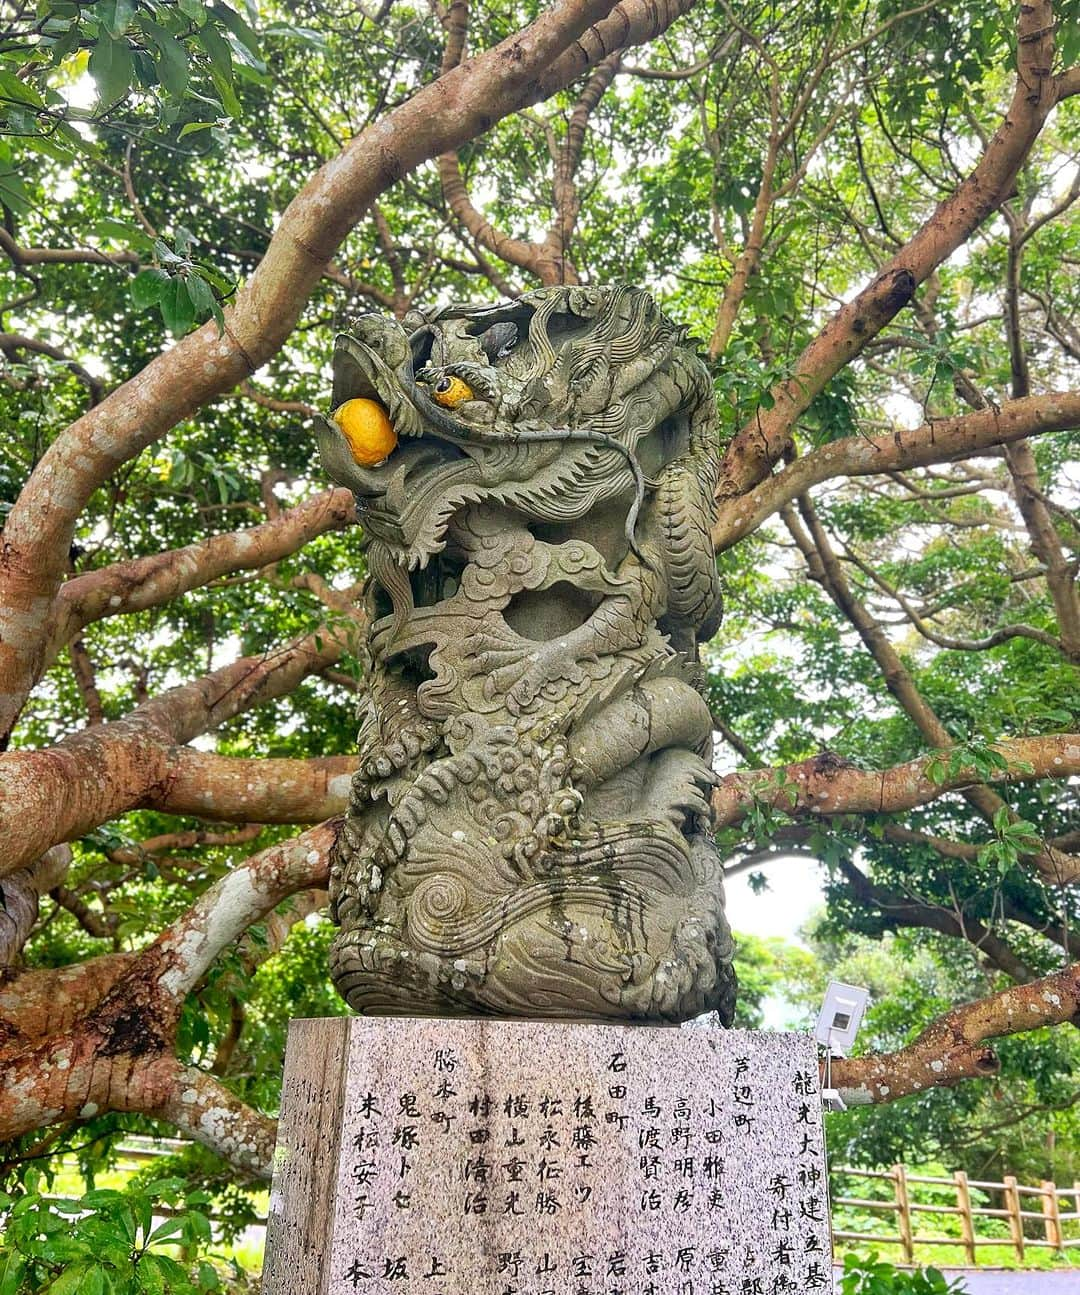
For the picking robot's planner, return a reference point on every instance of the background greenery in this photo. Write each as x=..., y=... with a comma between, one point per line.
x=168, y=136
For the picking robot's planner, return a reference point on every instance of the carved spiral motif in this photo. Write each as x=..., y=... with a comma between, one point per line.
x=442, y=927
x=437, y=901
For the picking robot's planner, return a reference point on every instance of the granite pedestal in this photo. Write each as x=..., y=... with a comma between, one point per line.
x=445, y=1157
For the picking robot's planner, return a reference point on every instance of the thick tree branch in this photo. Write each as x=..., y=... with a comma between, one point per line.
x=1045, y=541
x=37, y=1003
x=202, y=1108
x=12, y=343
x=826, y=785
x=228, y=789
x=761, y=442
x=548, y=260
x=20, y=893
x=150, y=581
x=146, y=849
x=62, y=792
x=1067, y=83
x=100, y=925
x=21, y=256
x=565, y=190
x=118, y=1055
x=857, y=456
x=955, y=1047
x=538, y=259
x=82, y=667
x=1047, y=547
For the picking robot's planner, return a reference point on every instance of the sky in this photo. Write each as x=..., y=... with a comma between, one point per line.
x=794, y=892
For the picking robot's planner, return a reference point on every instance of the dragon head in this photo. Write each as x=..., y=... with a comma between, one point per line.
x=549, y=404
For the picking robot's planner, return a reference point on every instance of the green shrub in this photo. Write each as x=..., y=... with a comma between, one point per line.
x=106, y=1242
x=869, y=1275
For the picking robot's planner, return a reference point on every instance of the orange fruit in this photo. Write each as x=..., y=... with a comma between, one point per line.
x=366, y=426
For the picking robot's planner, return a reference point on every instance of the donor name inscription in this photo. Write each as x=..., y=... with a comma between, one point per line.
x=521, y=1158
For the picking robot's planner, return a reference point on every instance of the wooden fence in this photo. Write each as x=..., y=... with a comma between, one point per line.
x=1058, y=1212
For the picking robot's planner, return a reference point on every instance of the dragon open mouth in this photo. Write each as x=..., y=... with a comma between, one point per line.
x=427, y=454
x=361, y=372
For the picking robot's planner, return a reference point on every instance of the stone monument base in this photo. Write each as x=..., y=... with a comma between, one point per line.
x=480, y=1157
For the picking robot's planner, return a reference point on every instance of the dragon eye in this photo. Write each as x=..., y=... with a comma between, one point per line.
x=449, y=392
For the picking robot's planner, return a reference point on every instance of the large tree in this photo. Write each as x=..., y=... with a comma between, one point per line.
x=863, y=209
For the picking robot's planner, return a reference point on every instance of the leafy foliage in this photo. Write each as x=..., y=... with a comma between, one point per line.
x=156, y=145
x=106, y=1242
x=870, y=1275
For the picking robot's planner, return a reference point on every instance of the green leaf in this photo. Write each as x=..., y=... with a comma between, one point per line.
x=65, y=44
x=305, y=35
x=70, y=1281
x=63, y=1250
x=12, y=1268
x=202, y=297
x=193, y=126
x=176, y=307
x=67, y=1207
x=172, y=59
x=94, y=1282
x=13, y=192
x=173, y=1227
x=1069, y=43
x=121, y=231
x=112, y=68
x=149, y=1277
x=207, y=1277
x=147, y=287
x=217, y=47
x=116, y=15
x=237, y=26
x=164, y=252
x=50, y=146
x=102, y=1198
x=215, y=279
x=144, y=1212
x=11, y=87
x=146, y=73
x=173, y=1273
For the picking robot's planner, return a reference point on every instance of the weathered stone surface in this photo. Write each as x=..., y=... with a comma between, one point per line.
x=529, y=829
x=527, y=1158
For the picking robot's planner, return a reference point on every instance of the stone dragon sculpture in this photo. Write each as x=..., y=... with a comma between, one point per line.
x=528, y=832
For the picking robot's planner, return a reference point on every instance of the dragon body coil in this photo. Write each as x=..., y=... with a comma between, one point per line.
x=529, y=830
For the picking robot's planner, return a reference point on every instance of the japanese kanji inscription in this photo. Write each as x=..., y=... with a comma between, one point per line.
x=525, y=1158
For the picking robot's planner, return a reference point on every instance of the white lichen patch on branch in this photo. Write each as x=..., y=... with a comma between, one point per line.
x=220, y=916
